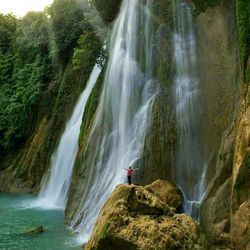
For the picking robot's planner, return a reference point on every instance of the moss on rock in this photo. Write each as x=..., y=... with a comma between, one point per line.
x=243, y=21
x=134, y=218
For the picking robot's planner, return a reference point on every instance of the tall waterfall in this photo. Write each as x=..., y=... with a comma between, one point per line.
x=118, y=131
x=190, y=163
x=54, y=192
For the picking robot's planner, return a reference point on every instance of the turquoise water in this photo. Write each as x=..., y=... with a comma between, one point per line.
x=15, y=220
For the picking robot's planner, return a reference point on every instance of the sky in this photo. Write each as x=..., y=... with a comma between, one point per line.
x=21, y=7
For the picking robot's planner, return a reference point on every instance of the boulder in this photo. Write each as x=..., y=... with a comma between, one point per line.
x=133, y=218
x=166, y=192
x=35, y=230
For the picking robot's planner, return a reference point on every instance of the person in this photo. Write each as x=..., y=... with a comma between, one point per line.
x=129, y=173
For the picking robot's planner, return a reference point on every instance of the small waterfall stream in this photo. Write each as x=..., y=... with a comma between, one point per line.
x=190, y=169
x=122, y=117
x=54, y=191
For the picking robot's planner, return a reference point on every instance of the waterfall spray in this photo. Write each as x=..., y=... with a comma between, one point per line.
x=190, y=163
x=54, y=191
x=123, y=113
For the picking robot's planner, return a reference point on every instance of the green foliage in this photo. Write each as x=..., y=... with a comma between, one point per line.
x=108, y=9
x=88, y=49
x=8, y=25
x=243, y=21
x=7, y=29
x=35, y=52
x=24, y=69
x=33, y=37
x=17, y=101
x=67, y=23
x=104, y=231
x=6, y=68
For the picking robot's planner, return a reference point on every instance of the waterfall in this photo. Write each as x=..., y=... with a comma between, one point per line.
x=54, y=192
x=123, y=113
x=190, y=171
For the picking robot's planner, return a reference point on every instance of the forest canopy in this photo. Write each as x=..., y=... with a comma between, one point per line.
x=34, y=50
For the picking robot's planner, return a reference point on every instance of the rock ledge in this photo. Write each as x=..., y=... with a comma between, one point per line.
x=134, y=218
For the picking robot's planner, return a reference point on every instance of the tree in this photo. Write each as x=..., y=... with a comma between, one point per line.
x=67, y=22
x=8, y=24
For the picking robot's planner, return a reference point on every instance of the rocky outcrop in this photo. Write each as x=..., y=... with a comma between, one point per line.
x=134, y=218
x=240, y=196
x=225, y=210
x=35, y=231
x=216, y=206
x=166, y=192
x=240, y=230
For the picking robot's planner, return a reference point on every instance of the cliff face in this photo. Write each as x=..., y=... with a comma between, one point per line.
x=160, y=141
x=240, y=189
x=226, y=203
x=218, y=59
x=219, y=65
x=222, y=45
x=225, y=210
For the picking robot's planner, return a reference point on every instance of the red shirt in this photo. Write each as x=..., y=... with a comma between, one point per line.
x=129, y=173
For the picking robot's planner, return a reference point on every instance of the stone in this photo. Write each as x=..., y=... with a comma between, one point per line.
x=166, y=192
x=134, y=218
x=35, y=230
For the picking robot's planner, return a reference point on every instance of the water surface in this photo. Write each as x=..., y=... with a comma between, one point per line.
x=15, y=220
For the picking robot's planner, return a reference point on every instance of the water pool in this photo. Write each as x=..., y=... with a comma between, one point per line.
x=16, y=219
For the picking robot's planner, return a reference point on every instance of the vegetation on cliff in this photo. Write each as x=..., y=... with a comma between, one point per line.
x=24, y=73
x=34, y=53
x=35, y=50
x=243, y=21
x=108, y=9
x=45, y=61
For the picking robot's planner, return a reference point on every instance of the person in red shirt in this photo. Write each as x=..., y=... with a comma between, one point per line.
x=129, y=174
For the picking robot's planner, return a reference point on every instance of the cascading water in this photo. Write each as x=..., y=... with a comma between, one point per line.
x=190, y=171
x=54, y=192
x=119, y=128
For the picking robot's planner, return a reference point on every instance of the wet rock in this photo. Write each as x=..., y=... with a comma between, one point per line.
x=134, y=218
x=240, y=232
x=240, y=216
x=35, y=230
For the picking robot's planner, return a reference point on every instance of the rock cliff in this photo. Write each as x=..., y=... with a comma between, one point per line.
x=134, y=218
